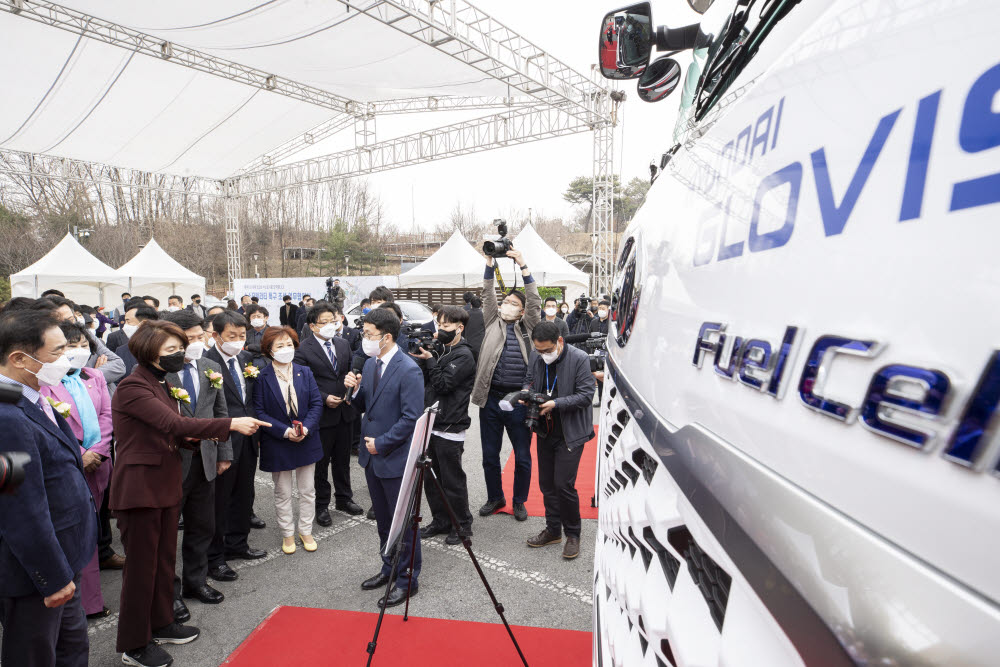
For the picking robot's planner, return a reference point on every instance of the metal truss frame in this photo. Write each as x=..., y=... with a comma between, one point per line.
x=490, y=132
x=603, y=209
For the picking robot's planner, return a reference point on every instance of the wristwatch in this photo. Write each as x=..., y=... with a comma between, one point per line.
x=524, y=268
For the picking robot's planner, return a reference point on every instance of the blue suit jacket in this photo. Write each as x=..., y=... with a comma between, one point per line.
x=276, y=452
x=390, y=413
x=48, y=529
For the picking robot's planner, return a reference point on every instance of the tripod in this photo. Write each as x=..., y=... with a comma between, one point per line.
x=424, y=465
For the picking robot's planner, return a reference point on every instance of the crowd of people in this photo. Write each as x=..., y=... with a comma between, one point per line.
x=161, y=418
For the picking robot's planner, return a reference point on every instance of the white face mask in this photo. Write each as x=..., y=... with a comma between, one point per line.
x=329, y=330
x=371, y=347
x=550, y=357
x=233, y=347
x=258, y=322
x=602, y=313
x=78, y=356
x=52, y=372
x=211, y=342
x=551, y=311
x=509, y=312
x=194, y=351
x=81, y=321
x=130, y=329
x=173, y=309
x=338, y=325
x=284, y=355
x=565, y=309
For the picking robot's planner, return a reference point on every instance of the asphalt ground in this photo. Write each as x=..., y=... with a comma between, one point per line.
x=536, y=586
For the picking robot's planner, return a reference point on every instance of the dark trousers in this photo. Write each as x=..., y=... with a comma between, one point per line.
x=224, y=484
x=241, y=496
x=198, y=510
x=384, y=492
x=557, y=467
x=336, y=458
x=104, y=536
x=147, y=603
x=36, y=636
x=446, y=461
x=492, y=422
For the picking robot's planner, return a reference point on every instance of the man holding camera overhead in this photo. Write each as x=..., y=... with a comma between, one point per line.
x=561, y=372
x=503, y=367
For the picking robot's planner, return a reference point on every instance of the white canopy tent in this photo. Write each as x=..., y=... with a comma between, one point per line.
x=69, y=268
x=547, y=266
x=455, y=264
x=155, y=273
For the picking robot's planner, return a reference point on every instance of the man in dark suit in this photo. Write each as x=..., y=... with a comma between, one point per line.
x=133, y=318
x=391, y=394
x=258, y=316
x=476, y=328
x=348, y=333
x=244, y=302
x=329, y=359
x=49, y=525
x=234, y=488
x=200, y=466
x=289, y=312
x=300, y=317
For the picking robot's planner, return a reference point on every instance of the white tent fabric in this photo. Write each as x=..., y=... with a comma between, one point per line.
x=455, y=264
x=69, y=268
x=547, y=266
x=155, y=273
x=85, y=99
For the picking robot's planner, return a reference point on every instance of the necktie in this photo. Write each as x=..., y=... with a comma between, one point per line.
x=47, y=409
x=235, y=371
x=189, y=380
x=333, y=357
x=378, y=375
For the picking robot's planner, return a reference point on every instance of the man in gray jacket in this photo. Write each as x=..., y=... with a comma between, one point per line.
x=503, y=367
x=562, y=372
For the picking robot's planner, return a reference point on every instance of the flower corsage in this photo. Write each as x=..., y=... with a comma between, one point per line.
x=214, y=378
x=180, y=395
x=62, y=408
x=250, y=371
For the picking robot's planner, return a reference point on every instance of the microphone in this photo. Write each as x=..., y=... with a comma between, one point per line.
x=579, y=338
x=357, y=365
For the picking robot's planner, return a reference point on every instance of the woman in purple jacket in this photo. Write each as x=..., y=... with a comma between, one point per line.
x=82, y=398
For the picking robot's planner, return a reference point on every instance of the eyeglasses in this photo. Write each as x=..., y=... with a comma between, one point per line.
x=377, y=336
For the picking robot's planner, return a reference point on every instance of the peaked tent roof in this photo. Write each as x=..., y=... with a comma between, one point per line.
x=152, y=271
x=455, y=264
x=547, y=266
x=69, y=268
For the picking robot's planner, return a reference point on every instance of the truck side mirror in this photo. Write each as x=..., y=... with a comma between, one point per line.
x=659, y=79
x=626, y=41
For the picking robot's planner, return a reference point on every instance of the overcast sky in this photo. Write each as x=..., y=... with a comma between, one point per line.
x=500, y=182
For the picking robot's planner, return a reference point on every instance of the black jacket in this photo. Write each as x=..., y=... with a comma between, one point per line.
x=352, y=336
x=287, y=314
x=574, y=392
x=449, y=380
x=310, y=353
x=597, y=326
x=475, y=330
x=116, y=339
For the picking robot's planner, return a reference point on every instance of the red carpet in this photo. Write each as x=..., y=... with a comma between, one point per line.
x=534, y=504
x=300, y=636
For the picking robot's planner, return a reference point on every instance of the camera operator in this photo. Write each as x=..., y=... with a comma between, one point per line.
x=49, y=526
x=449, y=379
x=563, y=373
x=579, y=319
x=503, y=365
x=600, y=325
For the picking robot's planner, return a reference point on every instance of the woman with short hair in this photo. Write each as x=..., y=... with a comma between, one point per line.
x=147, y=486
x=287, y=393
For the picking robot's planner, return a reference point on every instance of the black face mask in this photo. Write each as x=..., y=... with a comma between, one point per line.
x=446, y=337
x=172, y=363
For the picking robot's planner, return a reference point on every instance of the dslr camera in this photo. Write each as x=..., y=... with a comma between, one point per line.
x=499, y=247
x=534, y=401
x=424, y=339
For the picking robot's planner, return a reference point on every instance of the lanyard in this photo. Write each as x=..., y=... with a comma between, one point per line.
x=550, y=388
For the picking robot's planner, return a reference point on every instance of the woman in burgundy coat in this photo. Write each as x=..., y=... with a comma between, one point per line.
x=146, y=488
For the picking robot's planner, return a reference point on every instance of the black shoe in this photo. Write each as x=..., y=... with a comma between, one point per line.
x=175, y=633
x=351, y=508
x=354, y=450
x=205, y=593
x=256, y=522
x=432, y=529
x=396, y=596
x=147, y=656
x=180, y=523
x=323, y=517
x=103, y=613
x=371, y=514
x=378, y=581
x=492, y=507
x=181, y=612
x=247, y=554
x=223, y=573
x=520, y=513
x=453, y=538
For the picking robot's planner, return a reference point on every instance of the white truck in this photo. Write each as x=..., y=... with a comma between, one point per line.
x=799, y=450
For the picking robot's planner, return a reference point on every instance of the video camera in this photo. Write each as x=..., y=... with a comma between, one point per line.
x=423, y=339
x=595, y=344
x=499, y=247
x=582, y=302
x=12, y=464
x=534, y=401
